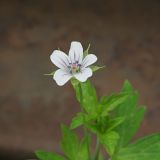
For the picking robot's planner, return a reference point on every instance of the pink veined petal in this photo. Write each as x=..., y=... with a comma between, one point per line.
x=84, y=74
x=76, y=52
x=61, y=77
x=88, y=60
x=60, y=59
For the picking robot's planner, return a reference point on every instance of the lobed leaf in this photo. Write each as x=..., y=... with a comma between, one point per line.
x=132, y=113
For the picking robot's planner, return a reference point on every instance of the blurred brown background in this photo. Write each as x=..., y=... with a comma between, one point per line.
x=124, y=34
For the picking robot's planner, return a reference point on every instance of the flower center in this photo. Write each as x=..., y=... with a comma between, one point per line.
x=75, y=67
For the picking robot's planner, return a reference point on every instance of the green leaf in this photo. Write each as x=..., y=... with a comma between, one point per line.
x=69, y=143
x=96, y=68
x=74, y=82
x=127, y=87
x=110, y=103
x=83, y=153
x=92, y=127
x=86, y=52
x=77, y=121
x=42, y=155
x=105, y=124
x=89, y=97
x=131, y=112
x=100, y=157
x=50, y=74
x=82, y=118
x=114, y=122
x=73, y=149
x=147, y=148
x=109, y=140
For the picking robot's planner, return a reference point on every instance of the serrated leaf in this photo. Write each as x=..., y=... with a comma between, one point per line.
x=42, y=155
x=132, y=113
x=147, y=148
x=109, y=140
x=69, y=143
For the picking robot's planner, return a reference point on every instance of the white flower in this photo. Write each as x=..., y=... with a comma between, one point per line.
x=72, y=65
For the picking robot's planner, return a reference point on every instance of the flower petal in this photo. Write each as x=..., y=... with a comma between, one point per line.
x=88, y=60
x=76, y=52
x=61, y=77
x=84, y=74
x=60, y=59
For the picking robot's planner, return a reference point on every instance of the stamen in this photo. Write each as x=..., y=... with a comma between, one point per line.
x=74, y=67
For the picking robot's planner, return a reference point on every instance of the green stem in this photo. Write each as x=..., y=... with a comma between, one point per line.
x=81, y=102
x=81, y=96
x=97, y=150
x=86, y=133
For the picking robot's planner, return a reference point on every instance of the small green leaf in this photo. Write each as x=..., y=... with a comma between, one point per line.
x=42, y=155
x=127, y=87
x=77, y=121
x=114, y=122
x=106, y=124
x=109, y=140
x=96, y=68
x=147, y=148
x=50, y=74
x=86, y=52
x=110, y=103
x=82, y=118
x=92, y=127
x=69, y=143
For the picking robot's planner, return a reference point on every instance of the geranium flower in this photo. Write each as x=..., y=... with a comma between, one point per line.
x=72, y=65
